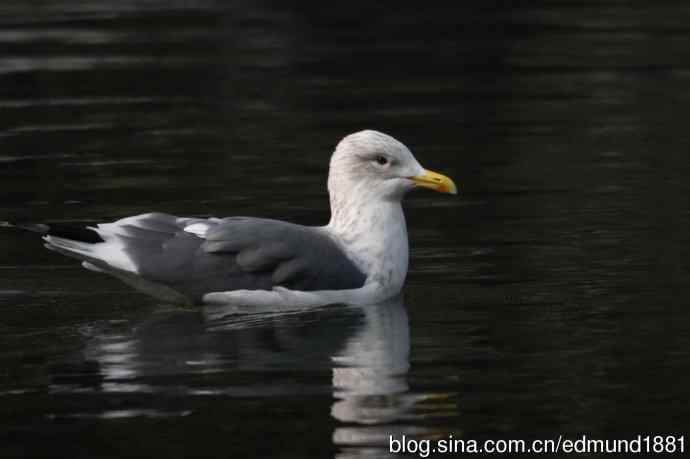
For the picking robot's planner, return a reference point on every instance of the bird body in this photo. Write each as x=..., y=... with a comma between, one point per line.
x=360, y=256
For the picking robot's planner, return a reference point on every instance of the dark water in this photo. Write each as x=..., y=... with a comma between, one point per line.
x=551, y=298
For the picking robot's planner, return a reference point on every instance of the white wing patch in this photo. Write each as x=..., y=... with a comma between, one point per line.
x=111, y=251
x=198, y=229
x=119, y=227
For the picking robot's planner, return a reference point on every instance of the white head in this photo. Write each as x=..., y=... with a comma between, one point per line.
x=372, y=164
x=370, y=173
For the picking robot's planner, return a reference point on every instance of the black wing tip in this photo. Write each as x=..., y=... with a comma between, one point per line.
x=74, y=233
x=65, y=231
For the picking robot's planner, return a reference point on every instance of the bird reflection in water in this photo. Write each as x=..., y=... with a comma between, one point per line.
x=229, y=353
x=373, y=398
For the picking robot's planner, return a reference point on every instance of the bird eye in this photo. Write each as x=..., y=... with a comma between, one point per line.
x=381, y=160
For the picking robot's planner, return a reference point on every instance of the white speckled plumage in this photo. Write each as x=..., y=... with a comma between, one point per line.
x=366, y=211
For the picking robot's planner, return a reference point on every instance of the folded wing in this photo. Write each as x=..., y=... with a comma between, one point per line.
x=197, y=256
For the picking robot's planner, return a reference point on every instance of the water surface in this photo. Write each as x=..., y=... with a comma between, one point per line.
x=550, y=298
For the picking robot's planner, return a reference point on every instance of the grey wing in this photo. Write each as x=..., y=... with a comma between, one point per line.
x=296, y=257
x=176, y=258
x=198, y=256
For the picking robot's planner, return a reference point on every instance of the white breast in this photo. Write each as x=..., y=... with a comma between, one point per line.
x=376, y=240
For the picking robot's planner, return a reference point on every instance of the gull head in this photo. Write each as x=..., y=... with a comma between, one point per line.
x=370, y=163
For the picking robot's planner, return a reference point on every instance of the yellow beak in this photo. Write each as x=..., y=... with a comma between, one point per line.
x=436, y=182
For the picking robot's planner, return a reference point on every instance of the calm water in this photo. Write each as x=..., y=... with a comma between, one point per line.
x=551, y=298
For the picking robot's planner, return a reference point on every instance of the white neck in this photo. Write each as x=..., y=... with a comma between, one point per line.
x=373, y=233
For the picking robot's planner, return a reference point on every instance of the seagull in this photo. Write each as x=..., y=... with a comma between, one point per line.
x=359, y=257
